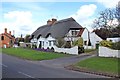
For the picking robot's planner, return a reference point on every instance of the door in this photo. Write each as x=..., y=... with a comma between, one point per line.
x=40, y=44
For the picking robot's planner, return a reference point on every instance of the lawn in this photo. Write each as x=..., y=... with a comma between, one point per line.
x=30, y=54
x=100, y=64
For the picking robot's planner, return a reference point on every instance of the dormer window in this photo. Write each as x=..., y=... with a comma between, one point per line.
x=74, y=32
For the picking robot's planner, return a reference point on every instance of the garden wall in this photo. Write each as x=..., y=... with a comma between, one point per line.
x=73, y=50
x=88, y=47
x=107, y=52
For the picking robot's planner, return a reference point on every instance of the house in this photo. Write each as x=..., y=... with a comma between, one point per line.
x=7, y=39
x=90, y=39
x=46, y=36
x=95, y=39
x=114, y=39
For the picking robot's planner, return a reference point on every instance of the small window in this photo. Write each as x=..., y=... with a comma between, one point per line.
x=11, y=41
x=74, y=33
x=85, y=42
x=43, y=43
x=49, y=43
x=2, y=37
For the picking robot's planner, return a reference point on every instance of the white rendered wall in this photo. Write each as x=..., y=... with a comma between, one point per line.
x=107, y=52
x=114, y=39
x=46, y=42
x=94, y=39
x=73, y=50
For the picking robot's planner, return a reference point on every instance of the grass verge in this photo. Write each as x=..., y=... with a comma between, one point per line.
x=100, y=64
x=30, y=54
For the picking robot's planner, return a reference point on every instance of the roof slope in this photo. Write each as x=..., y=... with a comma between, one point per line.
x=58, y=30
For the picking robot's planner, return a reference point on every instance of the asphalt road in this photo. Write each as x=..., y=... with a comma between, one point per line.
x=13, y=67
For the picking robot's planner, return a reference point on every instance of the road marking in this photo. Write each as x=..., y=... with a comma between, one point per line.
x=3, y=65
x=25, y=74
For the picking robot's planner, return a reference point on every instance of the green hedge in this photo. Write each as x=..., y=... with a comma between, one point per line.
x=116, y=46
x=110, y=44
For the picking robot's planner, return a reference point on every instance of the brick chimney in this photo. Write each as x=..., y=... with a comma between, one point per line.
x=5, y=30
x=49, y=22
x=10, y=32
x=53, y=20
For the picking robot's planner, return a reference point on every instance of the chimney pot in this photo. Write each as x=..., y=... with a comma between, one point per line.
x=49, y=22
x=5, y=30
x=10, y=32
x=53, y=20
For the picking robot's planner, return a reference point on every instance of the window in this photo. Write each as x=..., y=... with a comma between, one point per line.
x=85, y=42
x=43, y=43
x=74, y=33
x=11, y=41
x=2, y=37
x=54, y=42
x=49, y=43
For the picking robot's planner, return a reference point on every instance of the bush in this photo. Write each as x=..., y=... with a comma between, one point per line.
x=34, y=46
x=75, y=43
x=68, y=44
x=79, y=42
x=116, y=46
x=60, y=42
x=106, y=43
x=28, y=45
x=80, y=50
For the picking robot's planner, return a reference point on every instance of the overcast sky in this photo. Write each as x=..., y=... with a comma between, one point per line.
x=26, y=17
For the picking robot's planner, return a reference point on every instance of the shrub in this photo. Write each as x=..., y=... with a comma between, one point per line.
x=68, y=44
x=106, y=43
x=80, y=50
x=60, y=42
x=79, y=42
x=34, y=46
x=116, y=45
x=75, y=43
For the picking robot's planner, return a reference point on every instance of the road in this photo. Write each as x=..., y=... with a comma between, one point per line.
x=13, y=67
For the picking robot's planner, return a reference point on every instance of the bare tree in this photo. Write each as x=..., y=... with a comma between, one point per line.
x=117, y=13
x=106, y=16
x=105, y=22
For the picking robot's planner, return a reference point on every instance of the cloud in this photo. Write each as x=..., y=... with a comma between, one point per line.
x=20, y=21
x=85, y=11
x=84, y=15
x=108, y=3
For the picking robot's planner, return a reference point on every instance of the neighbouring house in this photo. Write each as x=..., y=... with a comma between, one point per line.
x=90, y=39
x=46, y=36
x=95, y=39
x=115, y=39
x=7, y=39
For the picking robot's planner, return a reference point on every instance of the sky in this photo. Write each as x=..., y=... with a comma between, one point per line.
x=24, y=17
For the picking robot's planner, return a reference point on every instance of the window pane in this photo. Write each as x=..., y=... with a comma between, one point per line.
x=2, y=38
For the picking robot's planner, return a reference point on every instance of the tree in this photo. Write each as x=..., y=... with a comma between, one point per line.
x=104, y=25
x=104, y=18
x=21, y=39
x=117, y=13
x=27, y=38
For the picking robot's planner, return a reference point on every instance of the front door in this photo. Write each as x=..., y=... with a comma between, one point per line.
x=40, y=44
